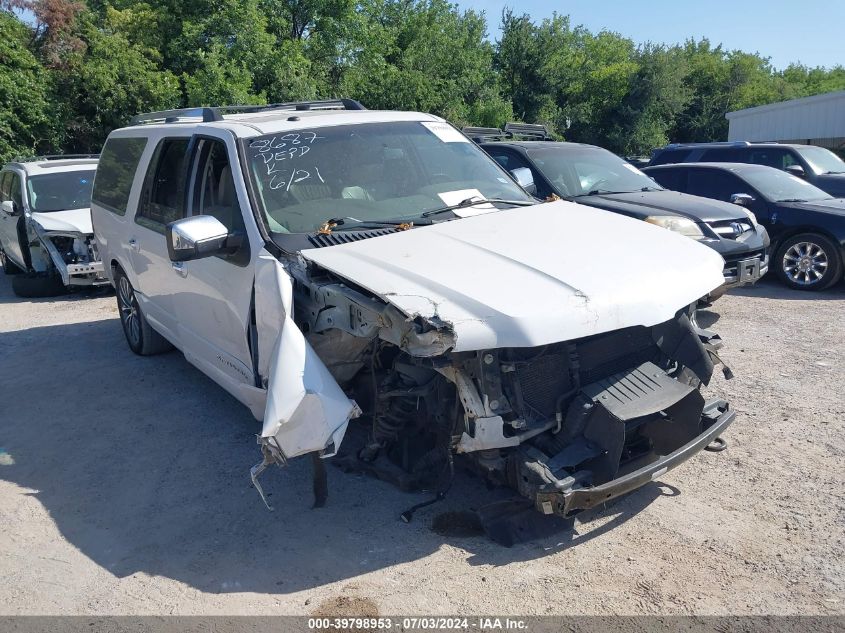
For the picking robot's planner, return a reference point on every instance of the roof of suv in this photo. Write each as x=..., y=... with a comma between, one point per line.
x=52, y=164
x=729, y=144
x=725, y=166
x=537, y=144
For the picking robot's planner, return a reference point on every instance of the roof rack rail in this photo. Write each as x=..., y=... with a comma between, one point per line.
x=32, y=159
x=210, y=114
x=707, y=144
x=529, y=129
x=480, y=134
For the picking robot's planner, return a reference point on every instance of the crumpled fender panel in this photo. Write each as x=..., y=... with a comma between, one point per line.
x=306, y=409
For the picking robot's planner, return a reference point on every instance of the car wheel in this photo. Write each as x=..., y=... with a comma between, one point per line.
x=140, y=336
x=9, y=267
x=37, y=286
x=809, y=262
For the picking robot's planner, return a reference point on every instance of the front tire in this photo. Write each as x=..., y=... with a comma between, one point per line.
x=809, y=261
x=37, y=286
x=140, y=336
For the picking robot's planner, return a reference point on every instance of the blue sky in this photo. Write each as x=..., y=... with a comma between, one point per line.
x=809, y=31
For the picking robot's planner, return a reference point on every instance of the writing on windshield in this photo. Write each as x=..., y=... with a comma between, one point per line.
x=280, y=155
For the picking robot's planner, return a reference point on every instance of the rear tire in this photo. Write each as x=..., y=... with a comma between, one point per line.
x=32, y=287
x=140, y=336
x=9, y=267
x=808, y=261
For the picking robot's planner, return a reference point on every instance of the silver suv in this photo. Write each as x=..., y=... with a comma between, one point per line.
x=46, y=238
x=325, y=263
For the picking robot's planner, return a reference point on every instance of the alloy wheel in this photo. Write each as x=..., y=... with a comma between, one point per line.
x=805, y=263
x=129, y=315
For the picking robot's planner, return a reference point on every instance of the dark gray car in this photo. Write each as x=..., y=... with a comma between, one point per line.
x=593, y=176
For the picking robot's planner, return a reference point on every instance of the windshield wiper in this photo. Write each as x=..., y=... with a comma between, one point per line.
x=471, y=202
x=792, y=200
x=597, y=192
x=834, y=172
x=350, y=224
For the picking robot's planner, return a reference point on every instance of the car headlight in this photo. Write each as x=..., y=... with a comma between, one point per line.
x=675, y=223
x=751, y=217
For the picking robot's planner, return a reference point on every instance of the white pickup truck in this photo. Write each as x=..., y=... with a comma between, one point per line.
x=325, y=263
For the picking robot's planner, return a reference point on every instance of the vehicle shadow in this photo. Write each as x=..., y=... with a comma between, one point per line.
x=77, y=294
x=771, y=288
x=142, y=463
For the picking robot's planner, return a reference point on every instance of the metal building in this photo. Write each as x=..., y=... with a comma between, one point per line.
x=817, y=120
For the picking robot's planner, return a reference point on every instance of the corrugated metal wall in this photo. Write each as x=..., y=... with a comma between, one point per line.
x=817, y=120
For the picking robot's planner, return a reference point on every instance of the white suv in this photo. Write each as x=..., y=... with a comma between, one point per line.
x=46, y=238
x=323, y=262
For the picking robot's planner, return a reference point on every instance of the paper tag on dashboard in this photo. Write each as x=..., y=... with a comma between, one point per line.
x=445, y=132
x=456, y=197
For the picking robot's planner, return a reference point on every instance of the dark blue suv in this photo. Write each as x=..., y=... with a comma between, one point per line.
x=816, y=165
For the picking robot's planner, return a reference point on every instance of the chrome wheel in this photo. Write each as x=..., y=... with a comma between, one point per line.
x=805, y=263
x=128, y=305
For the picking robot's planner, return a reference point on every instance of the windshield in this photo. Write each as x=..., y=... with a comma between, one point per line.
x=779, y=186
x=822, y=161
x=370, y=172
x=60, y=191
x=578, y=171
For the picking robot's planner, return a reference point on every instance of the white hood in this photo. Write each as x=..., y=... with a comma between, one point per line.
x=531, y=276
x=70, y=221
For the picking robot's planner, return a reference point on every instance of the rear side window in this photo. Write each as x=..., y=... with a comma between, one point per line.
x=711, y=183
x=116, y=171
x=722, y=155
x=674, y=179
x=163, y=197
x=670, y=156
x=5, y=183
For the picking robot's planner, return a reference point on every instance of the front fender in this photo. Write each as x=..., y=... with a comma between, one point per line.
x=306, y=409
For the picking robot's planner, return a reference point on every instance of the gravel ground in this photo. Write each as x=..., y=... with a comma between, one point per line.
x=124, y=489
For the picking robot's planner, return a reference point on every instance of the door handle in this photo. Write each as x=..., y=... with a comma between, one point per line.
x=180, y=268
x=133, y=244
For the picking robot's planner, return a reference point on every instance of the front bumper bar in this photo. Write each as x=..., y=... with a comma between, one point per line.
x=90, y=274
x=568, y=502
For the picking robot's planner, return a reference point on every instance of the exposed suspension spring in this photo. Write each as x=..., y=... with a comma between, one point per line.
x=399, y=411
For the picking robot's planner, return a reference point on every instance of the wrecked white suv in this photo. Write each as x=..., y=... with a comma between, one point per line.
x=46, y=238
x=325, y=263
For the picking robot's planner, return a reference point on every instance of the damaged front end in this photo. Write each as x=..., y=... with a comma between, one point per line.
x=568, y=425
x=71, y=255
x=575, y=424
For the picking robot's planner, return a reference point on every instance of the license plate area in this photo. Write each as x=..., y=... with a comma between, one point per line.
x=748, y=269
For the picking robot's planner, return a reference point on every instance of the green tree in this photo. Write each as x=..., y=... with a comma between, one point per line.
x=422, y=55
x=103, y=86
x=25, y=113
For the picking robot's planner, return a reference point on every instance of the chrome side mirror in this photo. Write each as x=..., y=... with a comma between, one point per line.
x=9, y=208
x=796, y=170
x=197, y=237
x=742, y=199
x=525, y=179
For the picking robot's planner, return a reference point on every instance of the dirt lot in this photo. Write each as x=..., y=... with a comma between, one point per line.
x=124, y=489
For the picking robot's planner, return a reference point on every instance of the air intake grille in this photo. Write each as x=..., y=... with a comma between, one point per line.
x=346, y=237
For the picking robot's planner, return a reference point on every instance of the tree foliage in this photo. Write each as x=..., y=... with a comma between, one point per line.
x=72, y=70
